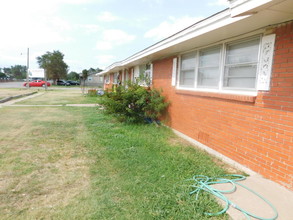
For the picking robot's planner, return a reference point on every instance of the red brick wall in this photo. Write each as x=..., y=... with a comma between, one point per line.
x=280, y=95
x=256, y=132
x=109, y=86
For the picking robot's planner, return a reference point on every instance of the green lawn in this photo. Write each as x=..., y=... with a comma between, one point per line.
x=78, y=163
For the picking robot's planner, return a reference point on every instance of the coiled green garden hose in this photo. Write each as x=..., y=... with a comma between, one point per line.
x=203, y=183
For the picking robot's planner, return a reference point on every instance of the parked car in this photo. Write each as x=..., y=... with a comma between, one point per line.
x=63, y=83
x=37, y=83
x=29, y=79
x=73, y=82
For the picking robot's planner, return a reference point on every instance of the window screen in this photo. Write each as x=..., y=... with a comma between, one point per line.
x=187, y=74
x=241, y=64
x=209, y=68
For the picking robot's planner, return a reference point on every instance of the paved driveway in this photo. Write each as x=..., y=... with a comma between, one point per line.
x=20, y=85
x=11, y=85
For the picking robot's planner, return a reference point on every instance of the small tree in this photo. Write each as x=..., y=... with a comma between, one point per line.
x=84, y=76
x=54, y=65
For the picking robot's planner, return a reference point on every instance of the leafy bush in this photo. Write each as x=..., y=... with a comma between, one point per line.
x=134, y=103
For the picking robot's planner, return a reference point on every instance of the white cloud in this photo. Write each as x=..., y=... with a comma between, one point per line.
x=91, y=28
x=153, y=3
x=107, y=17
x=16, y=57
x=112, y=38
x=172, y=26
x=32, y=22
x=104, y=45
x=219, y=3
x=105, y=60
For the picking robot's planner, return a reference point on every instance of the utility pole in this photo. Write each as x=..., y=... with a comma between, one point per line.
x=27, y=67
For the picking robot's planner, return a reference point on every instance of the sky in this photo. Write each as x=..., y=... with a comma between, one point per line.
x=92, y=33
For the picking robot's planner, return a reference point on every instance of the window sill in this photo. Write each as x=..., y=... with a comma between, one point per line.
x=241, y=97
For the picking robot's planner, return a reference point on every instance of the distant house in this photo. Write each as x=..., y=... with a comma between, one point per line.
x=95, y=80
x=229, y=79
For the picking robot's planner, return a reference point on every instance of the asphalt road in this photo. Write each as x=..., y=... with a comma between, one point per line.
x=11, y=85
x=20, y=85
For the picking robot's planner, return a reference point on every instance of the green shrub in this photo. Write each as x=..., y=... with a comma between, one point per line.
x=134, y=103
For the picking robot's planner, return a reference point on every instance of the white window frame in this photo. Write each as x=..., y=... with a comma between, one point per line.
x=147, y=70
x=122, y=77
x=220, y=88
x=107, y=79
x=135, y=74
x=126, y=72
x=198, y=66
x=115, y=78
x=174, y=71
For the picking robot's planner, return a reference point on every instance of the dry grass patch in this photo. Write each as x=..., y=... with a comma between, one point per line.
x=4, y=93
x=43, y=164
x=59, y=97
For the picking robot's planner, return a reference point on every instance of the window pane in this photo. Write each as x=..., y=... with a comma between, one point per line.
x=208, y=77
x=210, y=57
x=245, y=70
x=187, y=74
x=241, y=64
x=209, y=71
x=240, y=82
x=240, y=76
x=142, y=69
x=115, y=78
x=187, y=78
x=245, y=52
x=188, y=61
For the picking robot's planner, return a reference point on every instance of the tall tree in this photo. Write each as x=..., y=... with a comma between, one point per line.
x=2, y=75
x=7, y=71
x=73, y=76
x=91, y=71
x=98, y=70
x=54, y=65
x=18, y=71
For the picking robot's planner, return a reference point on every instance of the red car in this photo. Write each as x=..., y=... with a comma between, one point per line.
x=37, y=83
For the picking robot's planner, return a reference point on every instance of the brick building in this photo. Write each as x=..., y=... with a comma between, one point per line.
x=229, y=79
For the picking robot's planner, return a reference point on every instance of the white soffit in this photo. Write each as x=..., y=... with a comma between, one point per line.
x=248, y=7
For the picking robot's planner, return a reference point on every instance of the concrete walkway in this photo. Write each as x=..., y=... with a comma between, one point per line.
x=12, y=101
x=280, y=197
